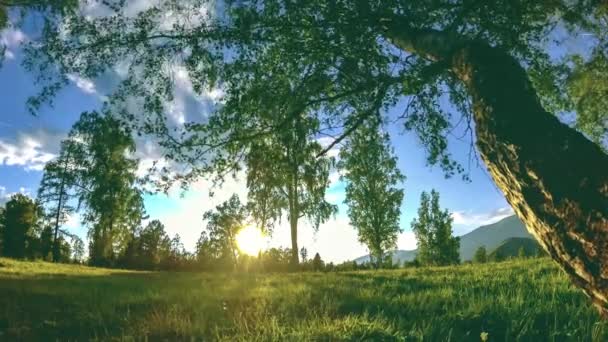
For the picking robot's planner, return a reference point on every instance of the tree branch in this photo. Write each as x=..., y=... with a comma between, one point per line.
x=359, y=121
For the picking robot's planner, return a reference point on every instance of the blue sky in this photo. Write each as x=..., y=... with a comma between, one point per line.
x=27, y=142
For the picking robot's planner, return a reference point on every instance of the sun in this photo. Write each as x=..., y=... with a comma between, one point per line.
x=250, y=240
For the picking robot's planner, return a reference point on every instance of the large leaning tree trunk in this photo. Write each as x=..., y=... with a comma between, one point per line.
x=555, y=179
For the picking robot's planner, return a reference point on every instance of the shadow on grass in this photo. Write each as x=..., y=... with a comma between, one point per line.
x=71, y=307
x=119, y=305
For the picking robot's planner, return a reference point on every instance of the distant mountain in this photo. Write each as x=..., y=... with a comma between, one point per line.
x=491, y=236
x=399, y=256
x=510, y=248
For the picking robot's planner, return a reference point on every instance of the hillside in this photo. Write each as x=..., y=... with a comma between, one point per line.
x=510, y=248
x=523, y=300
x=399, y=256
x=491, y=236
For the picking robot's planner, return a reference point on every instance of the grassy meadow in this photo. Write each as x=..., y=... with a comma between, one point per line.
x=527, y=300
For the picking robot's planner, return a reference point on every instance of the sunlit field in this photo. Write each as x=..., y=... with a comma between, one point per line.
x=528, y=300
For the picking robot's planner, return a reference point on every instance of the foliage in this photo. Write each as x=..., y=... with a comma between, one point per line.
x=154, y=245
x=60, y=179
x=525, y=300
x=317, y=262
x=114, y=207
x=77, y=249
x=433, y=229
x=21, y=220
x=223, y=224
x=24, y=234
x=332, y=63
x=481, y=255
x=285, y=176
x=371, y=176
x=275, y=260
x=587, y=86
x=46, y=244
x=50, y=9
x=152, y=249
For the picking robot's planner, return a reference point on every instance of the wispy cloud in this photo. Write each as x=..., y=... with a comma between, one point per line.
x=469, y=218
x=31, y=150
x=11, y=39
x=87, y=86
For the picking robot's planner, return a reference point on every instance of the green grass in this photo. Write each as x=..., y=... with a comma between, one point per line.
x=520, y=300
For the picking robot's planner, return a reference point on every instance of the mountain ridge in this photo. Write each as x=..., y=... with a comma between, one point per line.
x=491, y=236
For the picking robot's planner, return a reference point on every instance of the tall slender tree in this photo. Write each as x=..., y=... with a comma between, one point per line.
x=284, y=176
x=433, y=229
x=352, y=59
x=57, y=189
x=371, y=175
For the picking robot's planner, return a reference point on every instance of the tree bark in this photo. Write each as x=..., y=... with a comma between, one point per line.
x=293, y=223
x=555, y=179
x=59, y=208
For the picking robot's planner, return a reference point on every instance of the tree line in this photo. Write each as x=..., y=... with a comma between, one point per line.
x=94, y=176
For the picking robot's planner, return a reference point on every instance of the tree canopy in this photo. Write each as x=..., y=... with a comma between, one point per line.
x=334, y=60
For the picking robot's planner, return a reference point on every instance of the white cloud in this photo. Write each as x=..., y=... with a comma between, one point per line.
x=31, y=150
x=5, y=195
x=187, y=104
x=468, y=218
x=149, y=154
x=11, y=38
x=8, y=54
x=86, y=85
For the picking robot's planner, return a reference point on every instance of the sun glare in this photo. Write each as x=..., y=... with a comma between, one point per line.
x=250, y=240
